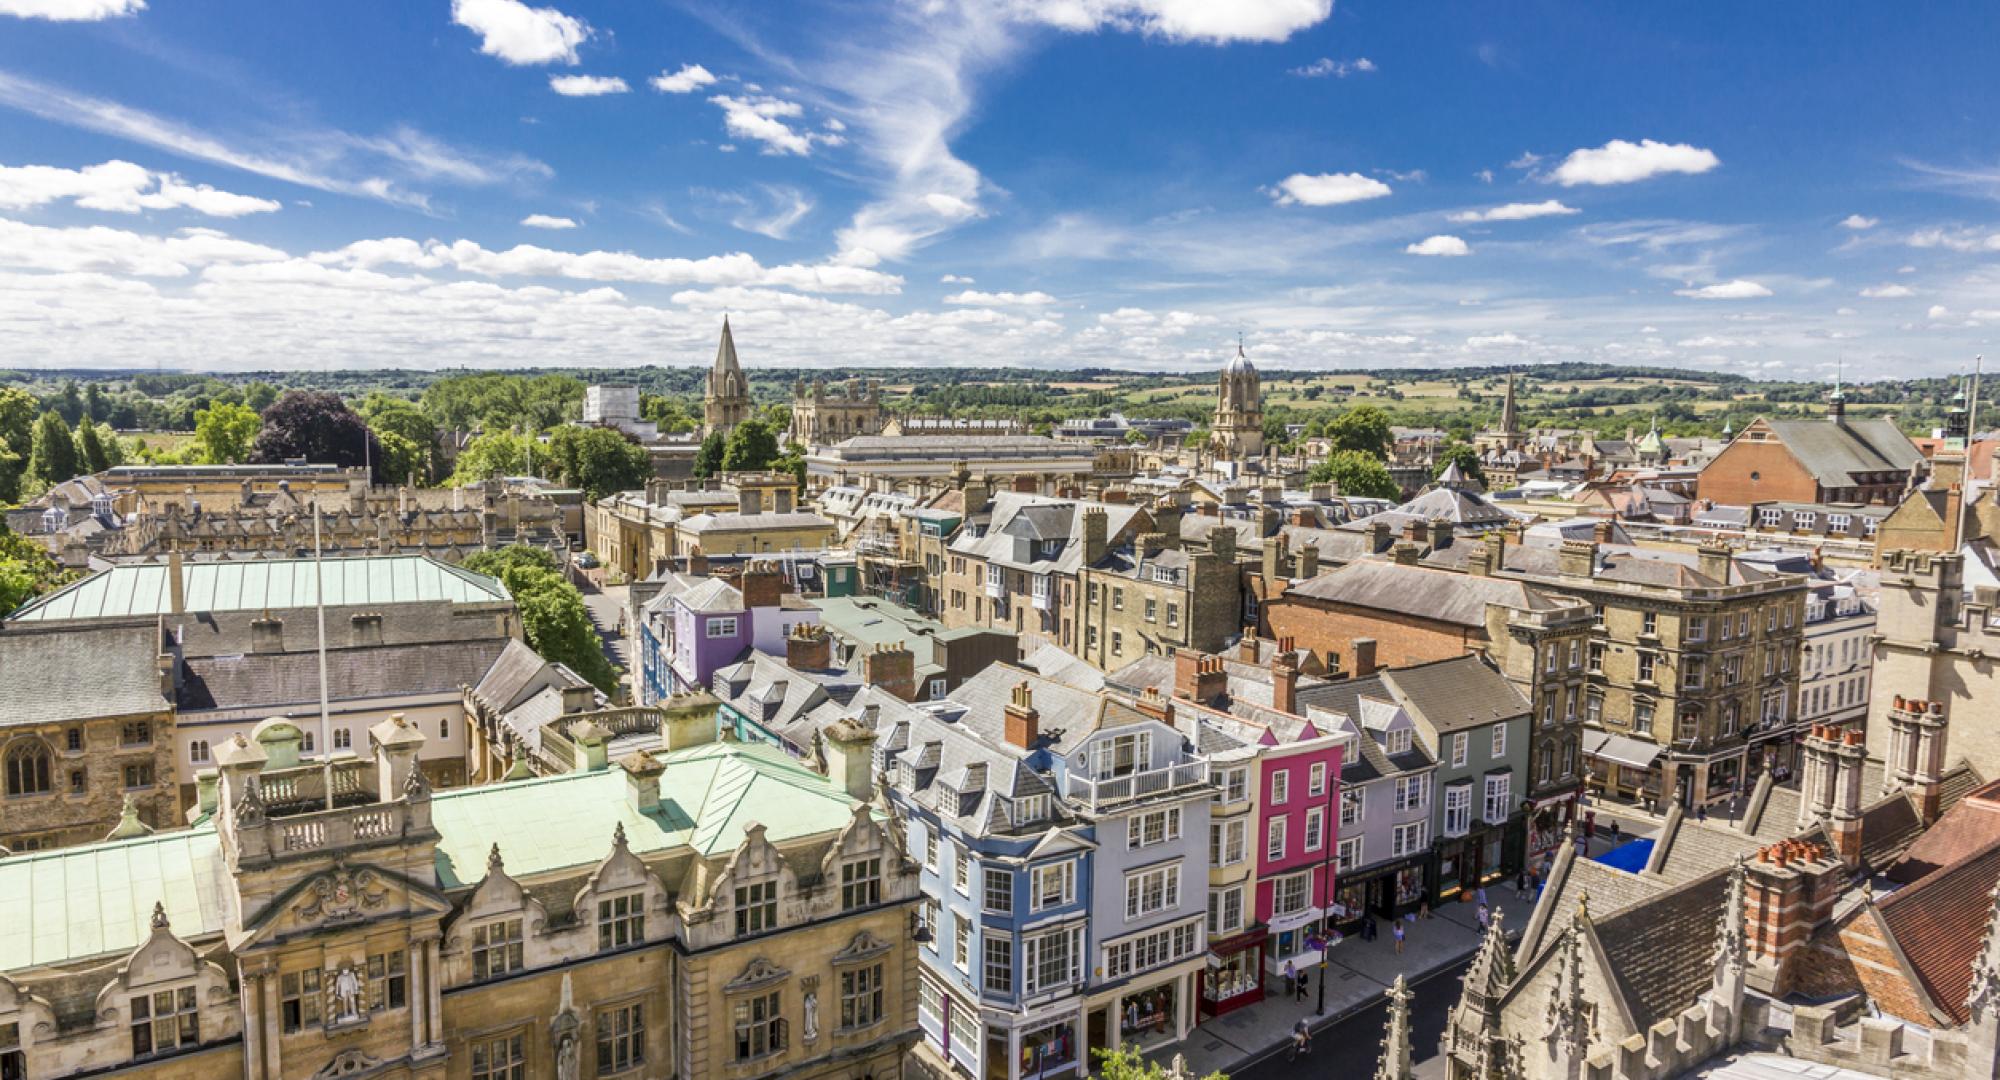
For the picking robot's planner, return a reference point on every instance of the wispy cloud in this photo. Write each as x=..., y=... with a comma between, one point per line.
x=1328, y=68
x=975, y=298
x=548, y=221
x=772, y=211
x=1982, y=181
x=71, y=10
x=321, y=158
x=1738, y=289
x=120, y=187
x=768, y=120
x=1858, y=223
x=1519, y=211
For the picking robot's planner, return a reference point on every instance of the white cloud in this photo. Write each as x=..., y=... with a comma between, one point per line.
x=1966, y=240
x=1517, y=211
x=119, y=187
x=587, y=85
x=1857, y=222
x=1327, y=189
x=548, y=221
x=1505, y=339
x=763, y=119
x=71, y=10
x=1887, y=292
x=1621, y=162
x=1738, y=289
x=973, y=298
x=1180, y=20
x=1327, y=67
x=1938, y=311
x=955, y=279
x=100, y=249
x=327, y=159
x=519, y=34
x=1845, y=311
x=688, y=79
x=1439, y=245
x=529, y=260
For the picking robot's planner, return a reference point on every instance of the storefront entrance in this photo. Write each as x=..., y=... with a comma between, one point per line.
x=1049, y=1051
x=1146, y=1017
x=1234, y=976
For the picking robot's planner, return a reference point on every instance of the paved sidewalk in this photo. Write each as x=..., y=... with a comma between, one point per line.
x=1358, y=972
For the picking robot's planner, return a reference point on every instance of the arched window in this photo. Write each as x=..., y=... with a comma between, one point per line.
x=28, y=768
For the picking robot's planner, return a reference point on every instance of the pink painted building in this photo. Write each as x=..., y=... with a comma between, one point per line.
x=1298, y=821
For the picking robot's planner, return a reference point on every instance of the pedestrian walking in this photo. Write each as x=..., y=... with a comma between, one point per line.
x=1485, y=917
x=1305, y=977
x=1291, y=980
x=1521, y=886
x=1399, y=939
x=1701, y=812
x=1617, y=834
x=1480, y=896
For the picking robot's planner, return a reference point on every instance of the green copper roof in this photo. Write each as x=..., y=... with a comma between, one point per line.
x=707, y=794
x=257, y=584
x=97, y=899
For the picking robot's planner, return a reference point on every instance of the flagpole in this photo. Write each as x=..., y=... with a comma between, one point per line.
x=325, y=718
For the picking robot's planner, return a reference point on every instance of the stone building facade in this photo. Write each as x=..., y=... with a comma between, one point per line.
x=1933, y=642
x=623, y=922
x=823, y=414
x=1238, y=426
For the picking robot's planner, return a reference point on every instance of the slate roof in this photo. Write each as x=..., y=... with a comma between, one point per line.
x=777, y=696
x=1441, y=595
x=1833, y=452
x=712, y=595
x=1662, y=951
x=141, y=589
x=1049, y=519
x=1456, y=694
x=97, y=899
x=506, y=681
x=52, y=678
x=938, y=749
x=1458, y=506
x=732, y=522
x=275, y=680
x=1068, y=715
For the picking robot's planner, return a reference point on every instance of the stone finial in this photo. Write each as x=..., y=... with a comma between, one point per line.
x=159, y=919
x=494, y=864
x=618, y=836
x=1984, y=994
x=1397, y=1060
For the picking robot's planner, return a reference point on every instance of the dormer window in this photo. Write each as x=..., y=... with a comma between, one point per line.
x=164, y=1021
x=860, y=884
x=621, y=921
x=1029, y=809
x=1398, y=741
x=756, y=908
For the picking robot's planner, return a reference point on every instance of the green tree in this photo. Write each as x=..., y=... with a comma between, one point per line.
x=599, y=461
x=387, y=416
x=1465, y=457
x=402, y=461
x=495, y=453
x=96, y=447
x=672, y=414
x=1126, y=1063
x=26, y=570
x=53, y=458
x=11, y=469
x=1355, y=473
x=18, y=409
x=1363, y=428
x=259, y=396
x=708, y=457
x=553, y=617
x=752, y=446
x=224, y=433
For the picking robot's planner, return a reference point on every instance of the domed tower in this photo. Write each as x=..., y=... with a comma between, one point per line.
x=1238, y=428
x=727, y=402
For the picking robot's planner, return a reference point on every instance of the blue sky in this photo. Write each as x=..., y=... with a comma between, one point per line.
x=1773, y=189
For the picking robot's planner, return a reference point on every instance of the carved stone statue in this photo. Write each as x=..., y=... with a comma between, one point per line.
x=344, y=993
x=812, y=1015
x=566, y=1060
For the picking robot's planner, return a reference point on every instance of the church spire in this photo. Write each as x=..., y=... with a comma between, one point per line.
x=725, y=354
x=727, y=402
x=1510, y=421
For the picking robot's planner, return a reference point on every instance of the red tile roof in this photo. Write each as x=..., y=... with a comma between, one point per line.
x=1964, y=829
x=1939, y=924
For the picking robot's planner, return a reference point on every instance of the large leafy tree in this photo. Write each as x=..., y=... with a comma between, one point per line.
x=493, y=400
x=53, y=458
x=258, y=396
x=12, y=466
x=600, y=461
x=553, y=617
x=708, y=456
x=1355, y=473
x=96, y=448
x=17, y=419
x=1364, y=429
x=224, y=433
x=751, y=446
x=317, y=426
x=26, y=570
x=496, y=453
x=393, y=416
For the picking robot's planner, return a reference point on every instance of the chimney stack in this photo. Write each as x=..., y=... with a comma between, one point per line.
x=1096, y=535
x=850, y=757
x=176, y=588
x=1024, y=724
x=1285, y=680
x=1309, y=561
x=1576, y=558
x=893, y=669
x=1917, y=737
x=808, y=648
x=1364, y=657
x=267, y=635
x=1789, y=891
x=688, y=720
x=1198, y=677
x=763, y=586
x=1713, y=561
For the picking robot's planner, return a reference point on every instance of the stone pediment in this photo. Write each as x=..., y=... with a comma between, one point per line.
x=344, y=894
x=758, y=973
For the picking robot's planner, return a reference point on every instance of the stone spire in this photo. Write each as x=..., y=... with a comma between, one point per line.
x=727, y=402
x=1396, y=1063
x=1569, y=1010
x=1473, y=1038
x=1510, y=418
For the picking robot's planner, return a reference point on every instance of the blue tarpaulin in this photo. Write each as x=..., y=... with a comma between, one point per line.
x=1630, y=856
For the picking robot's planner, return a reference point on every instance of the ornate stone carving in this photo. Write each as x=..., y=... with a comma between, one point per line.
x=346, y=1063
x=342, y=893
x=344, y=989
x=249, y=810
x=759, y=972
x=565, y=1032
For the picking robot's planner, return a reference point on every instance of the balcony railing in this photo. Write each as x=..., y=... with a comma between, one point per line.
x=1097, y=794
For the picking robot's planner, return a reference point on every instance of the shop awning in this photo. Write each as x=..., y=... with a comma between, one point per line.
x=1547, y=801
x=1620, y=750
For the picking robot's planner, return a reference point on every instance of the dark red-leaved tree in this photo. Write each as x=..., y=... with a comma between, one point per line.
x=319, y=427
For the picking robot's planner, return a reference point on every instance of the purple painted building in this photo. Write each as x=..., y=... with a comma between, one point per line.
x=698, y=624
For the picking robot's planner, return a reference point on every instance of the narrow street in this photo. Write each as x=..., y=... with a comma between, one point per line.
x=606, y=606
x=1350, y=1046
